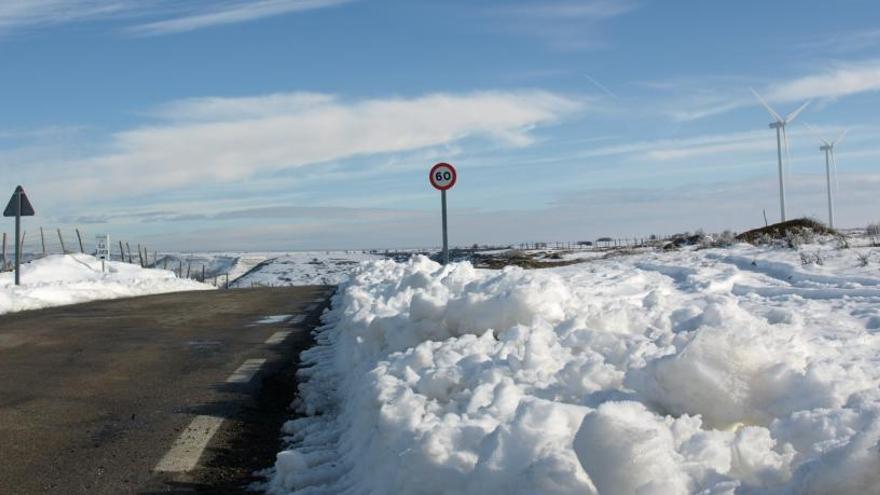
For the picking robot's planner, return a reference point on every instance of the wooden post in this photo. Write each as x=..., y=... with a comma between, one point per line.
x=121, y=253
x=140, y=256
x=188, y=268
x=227, y=280
x=203, y=272
x=128, y=248
x=61, y=238
x=79, y=237
x=155, y=259
x=180, y=269
x=43, y=239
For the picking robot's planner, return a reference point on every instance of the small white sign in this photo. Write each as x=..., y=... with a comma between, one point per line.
x=102, y=247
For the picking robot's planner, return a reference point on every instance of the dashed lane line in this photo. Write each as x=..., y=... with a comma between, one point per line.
x=184, y=455
x=186, y=451
x=297, y=319
x=278, y=337
x=245, y=373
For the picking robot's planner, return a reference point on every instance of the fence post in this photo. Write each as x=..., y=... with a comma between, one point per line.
x=188, y=268
x=203, y=273
x=180, y=269
x=121, y=253
x=128, y=247
x=43, y=239
x=140, y=256
x=79, y=237
x=61, y=238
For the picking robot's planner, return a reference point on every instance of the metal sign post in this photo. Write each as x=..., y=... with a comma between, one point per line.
x=18, y=206
x=443, y=177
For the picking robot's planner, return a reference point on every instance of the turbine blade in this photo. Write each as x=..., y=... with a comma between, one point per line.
x=770, y=110
x=840, y=137
x=793, y=115
x=815, y=134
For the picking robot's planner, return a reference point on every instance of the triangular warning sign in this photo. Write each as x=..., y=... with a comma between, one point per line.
x=11, y=208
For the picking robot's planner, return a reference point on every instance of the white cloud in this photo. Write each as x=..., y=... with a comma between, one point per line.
x=563, y=24
x=567, y=10
x=844, y=80
x=230, y=14
x=156, y=17
x=231, y=139
x=840, y=80
x=18, y=14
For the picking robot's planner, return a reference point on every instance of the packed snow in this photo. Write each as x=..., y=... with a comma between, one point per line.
x=744, y=370
x=74, y=278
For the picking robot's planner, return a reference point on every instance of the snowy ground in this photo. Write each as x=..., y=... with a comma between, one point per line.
x=715, y=371
x=303, y=268
x=58, y=280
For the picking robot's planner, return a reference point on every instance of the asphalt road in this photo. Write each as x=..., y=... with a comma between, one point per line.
x=118, y=397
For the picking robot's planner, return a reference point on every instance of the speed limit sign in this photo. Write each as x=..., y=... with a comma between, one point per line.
x=443, y=176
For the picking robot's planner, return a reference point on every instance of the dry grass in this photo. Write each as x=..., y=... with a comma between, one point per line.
x=784, y=230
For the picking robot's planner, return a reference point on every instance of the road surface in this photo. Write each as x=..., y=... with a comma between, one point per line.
x=174, y=393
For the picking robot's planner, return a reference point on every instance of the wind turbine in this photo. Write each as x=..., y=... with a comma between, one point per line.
x=830, y=162
x=779, y=123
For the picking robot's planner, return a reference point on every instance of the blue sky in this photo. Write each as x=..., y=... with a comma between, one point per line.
x=302, y=124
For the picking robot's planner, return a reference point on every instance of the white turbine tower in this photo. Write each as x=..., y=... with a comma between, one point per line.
x=830, y=163
x=779, y=123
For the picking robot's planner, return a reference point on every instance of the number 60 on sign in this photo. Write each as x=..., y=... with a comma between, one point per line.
x=443, y=176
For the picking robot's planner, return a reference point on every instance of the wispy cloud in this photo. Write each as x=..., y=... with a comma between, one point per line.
x=850, y=41
x=229, y=14
x=230, y=139
x=37, y=13
x=838, y=81
x=152, y=17
x=844, y=80
x=564, y=24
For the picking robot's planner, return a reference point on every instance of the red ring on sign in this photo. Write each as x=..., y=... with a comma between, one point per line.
x=451, y=182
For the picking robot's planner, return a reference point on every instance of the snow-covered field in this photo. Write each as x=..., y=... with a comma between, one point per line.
x=303, y=268
x=714, y=371
x=68, y=279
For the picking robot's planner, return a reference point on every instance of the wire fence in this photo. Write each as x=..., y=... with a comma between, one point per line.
x=40, y=242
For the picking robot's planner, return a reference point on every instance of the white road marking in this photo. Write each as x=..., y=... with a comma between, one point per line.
x=184, y=455
x=319, y=300
x=245, y=373
x=297, y=319
x=312, y=307
x=278, y=337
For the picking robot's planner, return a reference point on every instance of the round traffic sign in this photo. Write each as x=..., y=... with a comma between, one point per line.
x=443, y=176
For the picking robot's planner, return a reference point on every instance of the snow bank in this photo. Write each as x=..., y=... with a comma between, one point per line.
x=658, y=374
x=74, y=278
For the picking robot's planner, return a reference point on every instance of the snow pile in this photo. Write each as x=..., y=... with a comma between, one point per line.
x=74, y=278
x=712, y=372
